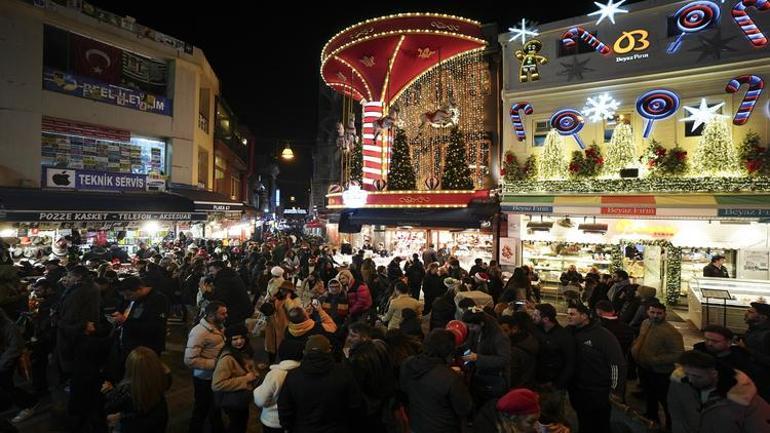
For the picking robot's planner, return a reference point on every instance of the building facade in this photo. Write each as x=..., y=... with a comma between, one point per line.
x=661, y=99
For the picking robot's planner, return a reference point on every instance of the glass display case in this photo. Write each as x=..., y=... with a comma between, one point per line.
x=695, y=259
x=723, y=301
x=550, y=259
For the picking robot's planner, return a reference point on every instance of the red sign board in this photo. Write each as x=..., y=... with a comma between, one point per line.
x=642, y=211
x=413, y=199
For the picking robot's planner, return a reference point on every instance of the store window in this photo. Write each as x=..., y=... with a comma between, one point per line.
x=610, y=124
x=541, y=131
x=77, y=146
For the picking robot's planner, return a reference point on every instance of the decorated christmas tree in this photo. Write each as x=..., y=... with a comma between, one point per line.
x=457, y=174
x=356, y=162
x=716, y=152
x=511, y=170
x=752, y=156
x=552, y=164
x=401, y=175
x=621, y=151
x=530, y=167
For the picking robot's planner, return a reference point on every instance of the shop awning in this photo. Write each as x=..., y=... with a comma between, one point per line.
x=473, y=216
x=660, y=206
x=209, y=201
x=36, y=205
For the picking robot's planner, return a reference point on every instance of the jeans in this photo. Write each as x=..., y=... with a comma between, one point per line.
x=204, y=408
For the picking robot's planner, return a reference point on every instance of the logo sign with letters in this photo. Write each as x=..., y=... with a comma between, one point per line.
x=94, y=180
x=632, y=43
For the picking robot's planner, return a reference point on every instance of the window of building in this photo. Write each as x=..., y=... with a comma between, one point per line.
x=72, y=145
x=235, y=188
x=541, y=131
x=203, y=169
x=610, y=124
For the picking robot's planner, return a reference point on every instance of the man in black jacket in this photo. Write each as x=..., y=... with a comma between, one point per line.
x=143, y=321
x=599, y=370
x=716, y=269
x=556, y=358
x=438, y=398
x=319, y=396
x=230, y=290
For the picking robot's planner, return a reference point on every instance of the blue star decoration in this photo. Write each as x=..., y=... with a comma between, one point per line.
x=575, y=69
x=713, y=47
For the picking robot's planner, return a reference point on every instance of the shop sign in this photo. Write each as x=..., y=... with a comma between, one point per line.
x=641, y=211
x=744, y=213
x=88, y=88
x=93, y=180
x=529, y=209
x=633, y=42
x=69, y=216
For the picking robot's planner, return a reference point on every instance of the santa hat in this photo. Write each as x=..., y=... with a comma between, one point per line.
x=519, y=402
x=481, y=277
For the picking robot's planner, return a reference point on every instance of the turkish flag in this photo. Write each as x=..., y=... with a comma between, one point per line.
x=96, y=60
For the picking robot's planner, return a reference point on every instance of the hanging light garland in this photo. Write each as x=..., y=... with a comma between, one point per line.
x=467, y=82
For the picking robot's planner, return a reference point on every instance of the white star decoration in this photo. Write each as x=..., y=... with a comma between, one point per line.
x=524, y=32
x=601, y=107
x=609, y=10
x=702, y=114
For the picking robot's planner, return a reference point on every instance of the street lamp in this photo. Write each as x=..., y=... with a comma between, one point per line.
x=287, y=154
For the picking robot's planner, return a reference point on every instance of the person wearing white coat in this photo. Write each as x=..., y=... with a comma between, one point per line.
x=266, y=394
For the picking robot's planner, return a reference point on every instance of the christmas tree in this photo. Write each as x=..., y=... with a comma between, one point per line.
x=621, y=151
x=552, y=164
x=457, y=175
x=751, y=155
x=716, y=152
x=356, y=162
x=401, y=174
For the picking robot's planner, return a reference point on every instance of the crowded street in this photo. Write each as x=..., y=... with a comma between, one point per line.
x=440, y=217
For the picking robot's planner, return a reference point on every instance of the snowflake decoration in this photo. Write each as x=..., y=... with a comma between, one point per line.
x=701, y=114
x=601, y=107
x=608, y=11
x=524, y=32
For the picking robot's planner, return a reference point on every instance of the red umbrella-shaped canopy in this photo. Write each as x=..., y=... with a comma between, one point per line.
x=377, y=59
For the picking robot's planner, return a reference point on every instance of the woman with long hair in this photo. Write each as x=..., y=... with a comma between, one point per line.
x=138, y=404
x=235, y=377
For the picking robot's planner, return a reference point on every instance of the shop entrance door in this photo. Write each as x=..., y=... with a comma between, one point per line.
x=654, y=268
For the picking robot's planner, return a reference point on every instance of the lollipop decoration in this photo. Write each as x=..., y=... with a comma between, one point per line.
x=518, y=126
x=568, y=122
x=744, y=21
x=657, y=104
x=571, y=36
x=692, y=18
x=756, y=85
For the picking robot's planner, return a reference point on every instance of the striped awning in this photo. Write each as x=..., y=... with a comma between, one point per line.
x=654, y=206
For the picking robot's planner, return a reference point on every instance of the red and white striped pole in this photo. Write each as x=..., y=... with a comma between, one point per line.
x=376, y=152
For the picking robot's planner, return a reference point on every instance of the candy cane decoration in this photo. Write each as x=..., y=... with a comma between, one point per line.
x=518, y=126
x=570, y=37
x=744, y=21
x=756, y=85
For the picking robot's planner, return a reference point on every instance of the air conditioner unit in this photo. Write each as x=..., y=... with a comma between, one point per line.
x=539, y=227
x=593, y=228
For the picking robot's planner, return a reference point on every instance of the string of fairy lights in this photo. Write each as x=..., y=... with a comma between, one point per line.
x=465, y=81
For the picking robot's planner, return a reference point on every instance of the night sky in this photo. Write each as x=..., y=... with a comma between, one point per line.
x=267, y=58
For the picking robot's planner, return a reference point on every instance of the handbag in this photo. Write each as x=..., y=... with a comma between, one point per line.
x=232, y=399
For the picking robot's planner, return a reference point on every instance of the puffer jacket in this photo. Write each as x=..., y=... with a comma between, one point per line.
x=203, y=346
x=658, y=346
x=266, y=394
x=734, y=407
x=359, y=299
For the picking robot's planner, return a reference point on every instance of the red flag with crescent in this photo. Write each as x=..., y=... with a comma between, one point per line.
x=96, y=60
